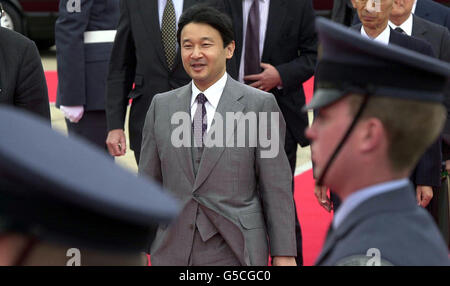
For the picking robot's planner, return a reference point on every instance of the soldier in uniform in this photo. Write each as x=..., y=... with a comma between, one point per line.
x=84, y=34
x=379, y=107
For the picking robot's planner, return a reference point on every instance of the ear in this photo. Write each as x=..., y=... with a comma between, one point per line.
x=354, y=3
x=371, y=135
x=230, y=49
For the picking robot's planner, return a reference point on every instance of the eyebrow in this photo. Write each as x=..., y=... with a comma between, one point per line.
x=202, y=39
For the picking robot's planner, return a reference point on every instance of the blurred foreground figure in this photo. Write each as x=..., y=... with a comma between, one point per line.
x=90, y=212
x=369, y=133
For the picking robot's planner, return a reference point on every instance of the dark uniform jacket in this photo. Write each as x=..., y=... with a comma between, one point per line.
x=83, y=67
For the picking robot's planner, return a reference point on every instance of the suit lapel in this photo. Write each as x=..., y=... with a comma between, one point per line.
x=417, y=28
x=150, y=18
x=228, y=103
x=183, y=104
x=277, y=12
x=422, y=9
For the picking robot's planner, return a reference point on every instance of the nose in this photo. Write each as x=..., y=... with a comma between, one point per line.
x=196, y=53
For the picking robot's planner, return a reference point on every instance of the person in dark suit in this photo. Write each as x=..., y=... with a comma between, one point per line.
x=236, y=199
x=428, y=10
x=368, y=136
x=276, y=51
x=413, y=25
x=375, y=26
x=84, y=37
x=22, y=79
x=145, y=54
x=439, y=37
x=427, y=173
x=78, y=214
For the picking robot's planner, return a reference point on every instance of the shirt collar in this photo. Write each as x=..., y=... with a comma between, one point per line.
x=382, y=38
x=358, y=197
x=406, y=26
x=213, y=93
x=414, y=7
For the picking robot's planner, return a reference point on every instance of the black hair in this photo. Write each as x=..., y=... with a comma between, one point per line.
x=203, y=14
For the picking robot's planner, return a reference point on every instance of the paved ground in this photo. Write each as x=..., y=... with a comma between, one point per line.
x=128, y=161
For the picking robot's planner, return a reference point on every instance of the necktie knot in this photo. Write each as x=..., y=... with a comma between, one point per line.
x=201, y=98
x=400, y=30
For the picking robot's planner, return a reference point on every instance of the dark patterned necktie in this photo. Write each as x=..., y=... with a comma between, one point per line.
x=400, y=30
x=252, y=57
x=200, y=123
x=169, y=33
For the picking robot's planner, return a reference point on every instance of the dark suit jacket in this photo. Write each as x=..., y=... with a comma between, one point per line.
x=439, y=38
x=22, y=79
x=138, y=57
x=428, y=10
x=393, y=223
x=436, y=35
x=83, y=68
x=291, y=46
x=427, y=172
x=433, y=12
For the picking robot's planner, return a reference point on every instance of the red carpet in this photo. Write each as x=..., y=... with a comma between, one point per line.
x=52, y=82
x=313, y=219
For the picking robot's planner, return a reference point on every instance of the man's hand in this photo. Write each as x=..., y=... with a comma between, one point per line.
x=116, y=142
x=321, y=194
x=424, y=195
x=266, y=80
x=284, y=261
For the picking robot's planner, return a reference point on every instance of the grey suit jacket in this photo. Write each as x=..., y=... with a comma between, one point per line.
x=226, y=182
x=393, y=223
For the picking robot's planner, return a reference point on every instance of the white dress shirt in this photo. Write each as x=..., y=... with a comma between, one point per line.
x=406, y=26
x=360, y=196
x=382, y=38
x=414, y=7
x=263, y=17
x=213, y=94
x=177, y=4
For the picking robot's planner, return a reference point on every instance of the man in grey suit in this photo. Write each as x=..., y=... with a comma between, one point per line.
x=368, y=135
x=226, y=219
